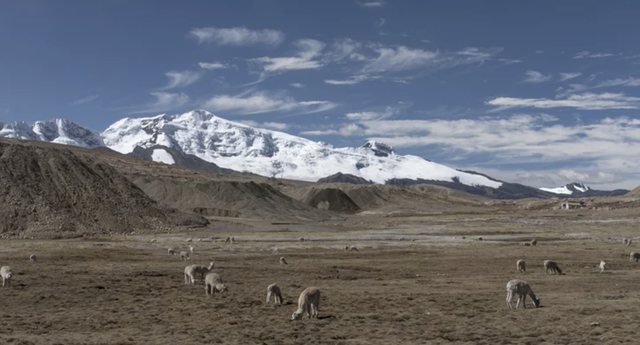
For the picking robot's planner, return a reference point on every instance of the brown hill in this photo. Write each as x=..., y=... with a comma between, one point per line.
x=225, y=198
x=634, y=193
x=332, y=199
x=49, y=191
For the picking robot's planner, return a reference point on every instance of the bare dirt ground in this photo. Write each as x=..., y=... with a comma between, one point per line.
x=415, y=280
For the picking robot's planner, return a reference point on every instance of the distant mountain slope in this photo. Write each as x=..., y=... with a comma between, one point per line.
x=274, y=154
x=168, y=155
x=344, y=178
x=577, y=190
x=49, y=191
x=57, y=131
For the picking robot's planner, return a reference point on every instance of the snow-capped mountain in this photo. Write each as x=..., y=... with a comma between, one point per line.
x=568, y=189
x=58, y=131
x=270, y=153
x=579, y=190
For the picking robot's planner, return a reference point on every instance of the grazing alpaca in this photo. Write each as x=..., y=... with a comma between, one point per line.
x=633, y=256
x=283, y=261
x=309, y=303
x=627, y=241
x=521, y=266
x=273, y=290
x=602, y=266
x=33, y=258
x=522, y=289
x=213, y=283
x=192, y=271
x=552, y=267
x=534, y=242
x=171, y=251
x=6, y=274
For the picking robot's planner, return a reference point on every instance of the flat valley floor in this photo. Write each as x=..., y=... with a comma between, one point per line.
x=414, y=280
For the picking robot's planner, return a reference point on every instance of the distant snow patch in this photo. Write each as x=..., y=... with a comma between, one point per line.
x=559, y=190
x=162, y=156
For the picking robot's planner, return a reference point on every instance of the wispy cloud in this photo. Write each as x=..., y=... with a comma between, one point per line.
x=536, y=77
x=86, y=99
x=352, y=80
x=308, y=50
x=379, y=114
x=585, y=54
x=212, y=65
x=258, y=102
x=371, y=3
x=177, y=79
x=278, y=126
x=237, y=36
x=585, y=101
x=569, y=75
x=166, y=101
x=630, y=81
x=399, y=58
x=297, y=85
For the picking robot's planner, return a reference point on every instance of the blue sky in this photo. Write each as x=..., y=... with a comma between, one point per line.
x=541, y=93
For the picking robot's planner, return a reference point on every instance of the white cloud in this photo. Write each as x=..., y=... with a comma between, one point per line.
x=307, y=52
x=261, y=102
x=212, y=65
x=237, y=36
x=585, y=101
x=585, y=54
x=569, y=76
x=536, y=77
x=278, y=126
x=375, y=115
x=371, y=3
x=352, y=80
x=399, y=59
x=630, y=81
x=167, y=101
x=297, y=85
x=181, y=79
x=86, y=99
x=319, y=132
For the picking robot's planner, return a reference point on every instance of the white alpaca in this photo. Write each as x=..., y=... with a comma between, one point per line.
x=191, y=248
x=552, y=267
x=33, y=258
x=171, y=251
x=6, y=274
x=283, y=261
x=521, y=266
x=192, y=271
x=184, y=256
x=273, y=290
x=602, y=266
x=213, y=283
x=522, y=289
x=633, y=256
x=309, y=303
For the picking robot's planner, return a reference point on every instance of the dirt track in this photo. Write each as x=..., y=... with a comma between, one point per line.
x=129, y=291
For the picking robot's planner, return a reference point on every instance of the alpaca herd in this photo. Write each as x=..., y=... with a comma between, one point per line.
x=521, y=288
x=309, y=298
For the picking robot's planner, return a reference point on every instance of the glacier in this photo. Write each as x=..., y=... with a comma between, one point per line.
x=271, y=153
